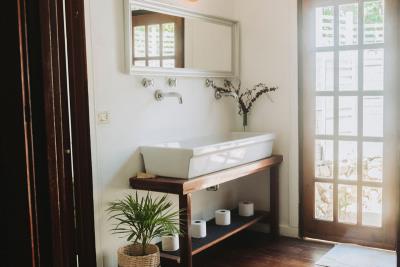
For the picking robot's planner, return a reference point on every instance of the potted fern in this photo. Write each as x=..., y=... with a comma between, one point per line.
x=141, y=220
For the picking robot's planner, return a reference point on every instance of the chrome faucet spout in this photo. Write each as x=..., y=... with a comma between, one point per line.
x=160, y=95
x=219, y=94
x=234, y=95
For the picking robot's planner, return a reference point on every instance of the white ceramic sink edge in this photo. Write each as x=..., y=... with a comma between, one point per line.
x=194, y=157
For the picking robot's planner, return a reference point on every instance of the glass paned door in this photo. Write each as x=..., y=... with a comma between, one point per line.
x=344, y=102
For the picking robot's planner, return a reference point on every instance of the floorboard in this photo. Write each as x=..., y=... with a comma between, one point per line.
x=251, y=249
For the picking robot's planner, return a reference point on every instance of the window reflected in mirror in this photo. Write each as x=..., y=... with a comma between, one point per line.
x=157, y=39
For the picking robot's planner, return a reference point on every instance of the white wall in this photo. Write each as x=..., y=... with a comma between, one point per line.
x=216, y=40
x=137, y=119
x=269, y=54
x=269, y=48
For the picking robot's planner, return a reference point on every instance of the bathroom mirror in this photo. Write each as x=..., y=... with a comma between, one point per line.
x=165, y=40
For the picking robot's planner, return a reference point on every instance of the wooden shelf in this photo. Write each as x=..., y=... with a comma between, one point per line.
x=184, y=186
x=217, y=233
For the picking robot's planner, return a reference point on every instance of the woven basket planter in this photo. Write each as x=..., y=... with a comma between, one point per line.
x=129, y=256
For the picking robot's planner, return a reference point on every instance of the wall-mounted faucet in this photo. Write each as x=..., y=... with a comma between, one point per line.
x=219, y=94
x=160, y=95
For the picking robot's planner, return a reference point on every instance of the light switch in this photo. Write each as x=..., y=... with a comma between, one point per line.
x=103, y=117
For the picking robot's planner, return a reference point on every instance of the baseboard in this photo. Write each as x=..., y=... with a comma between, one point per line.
x=284, y=229
x=289, y=231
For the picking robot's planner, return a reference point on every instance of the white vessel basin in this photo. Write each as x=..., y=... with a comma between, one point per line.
x=195, y=157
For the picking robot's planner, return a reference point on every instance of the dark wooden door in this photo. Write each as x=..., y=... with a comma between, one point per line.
x=49, y=211
x=17, y=211
x=350, y=115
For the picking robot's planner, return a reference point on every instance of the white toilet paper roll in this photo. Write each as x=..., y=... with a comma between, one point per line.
x=199, y=229
x=223, y=217
x=170, y=243
x=246, y=208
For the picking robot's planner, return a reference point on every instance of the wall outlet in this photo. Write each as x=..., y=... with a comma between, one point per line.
x=103, y=117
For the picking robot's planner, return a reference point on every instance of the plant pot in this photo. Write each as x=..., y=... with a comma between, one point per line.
x=130, y=256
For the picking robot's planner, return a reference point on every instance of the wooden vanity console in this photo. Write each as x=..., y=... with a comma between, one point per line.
x=215, y=234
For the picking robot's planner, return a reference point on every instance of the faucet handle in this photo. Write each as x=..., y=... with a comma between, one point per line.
x=217, y=95
x=172, y=82
x=209, y=83
x=147, y=82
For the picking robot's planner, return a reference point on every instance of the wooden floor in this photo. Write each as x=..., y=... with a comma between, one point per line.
x=251, y=249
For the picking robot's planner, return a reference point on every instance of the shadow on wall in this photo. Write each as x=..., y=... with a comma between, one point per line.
x=119, y=33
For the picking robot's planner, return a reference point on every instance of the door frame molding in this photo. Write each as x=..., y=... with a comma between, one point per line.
x=56, y=130
x=80, y=131
x=301, y=134
x=300, y=114
x=67, y=78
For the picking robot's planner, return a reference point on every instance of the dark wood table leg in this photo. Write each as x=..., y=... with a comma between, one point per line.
x=274, y=201
x=185, y=241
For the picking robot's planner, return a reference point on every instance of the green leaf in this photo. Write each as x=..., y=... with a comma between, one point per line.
x=141, y=219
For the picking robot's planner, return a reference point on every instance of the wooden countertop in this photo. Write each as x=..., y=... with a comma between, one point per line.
x=185, y=186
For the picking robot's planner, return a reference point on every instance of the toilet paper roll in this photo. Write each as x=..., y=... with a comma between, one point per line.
x=199, y=229
x=246, y=208
x=170, y=243
x=223, y=217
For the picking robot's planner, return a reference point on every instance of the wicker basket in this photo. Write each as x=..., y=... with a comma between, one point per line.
x=129, y=256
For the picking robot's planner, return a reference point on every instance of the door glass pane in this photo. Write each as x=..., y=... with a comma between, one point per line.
x=168, y=31
x=324, y=26
x=373, y=69
x=324, y=159
x=324, y=115
x=347, y=160
x=324, y=71
x=348, y=121
x=372, y=206
x=348, y=83
x=348, y=70
x=373, y=116
x=139, y=41
x=323, y=209
x=348, y=27
x=347, y=198
x=372, y=161
x=373, y=22
x=154, y=40
x=154, y=63
x=169, y=63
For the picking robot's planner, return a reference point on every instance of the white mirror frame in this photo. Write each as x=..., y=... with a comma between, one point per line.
x=171, y=10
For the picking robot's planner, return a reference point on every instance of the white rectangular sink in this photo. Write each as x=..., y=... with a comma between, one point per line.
x=195, y=157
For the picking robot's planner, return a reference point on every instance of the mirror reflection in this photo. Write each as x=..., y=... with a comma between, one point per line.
x=166, y=41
